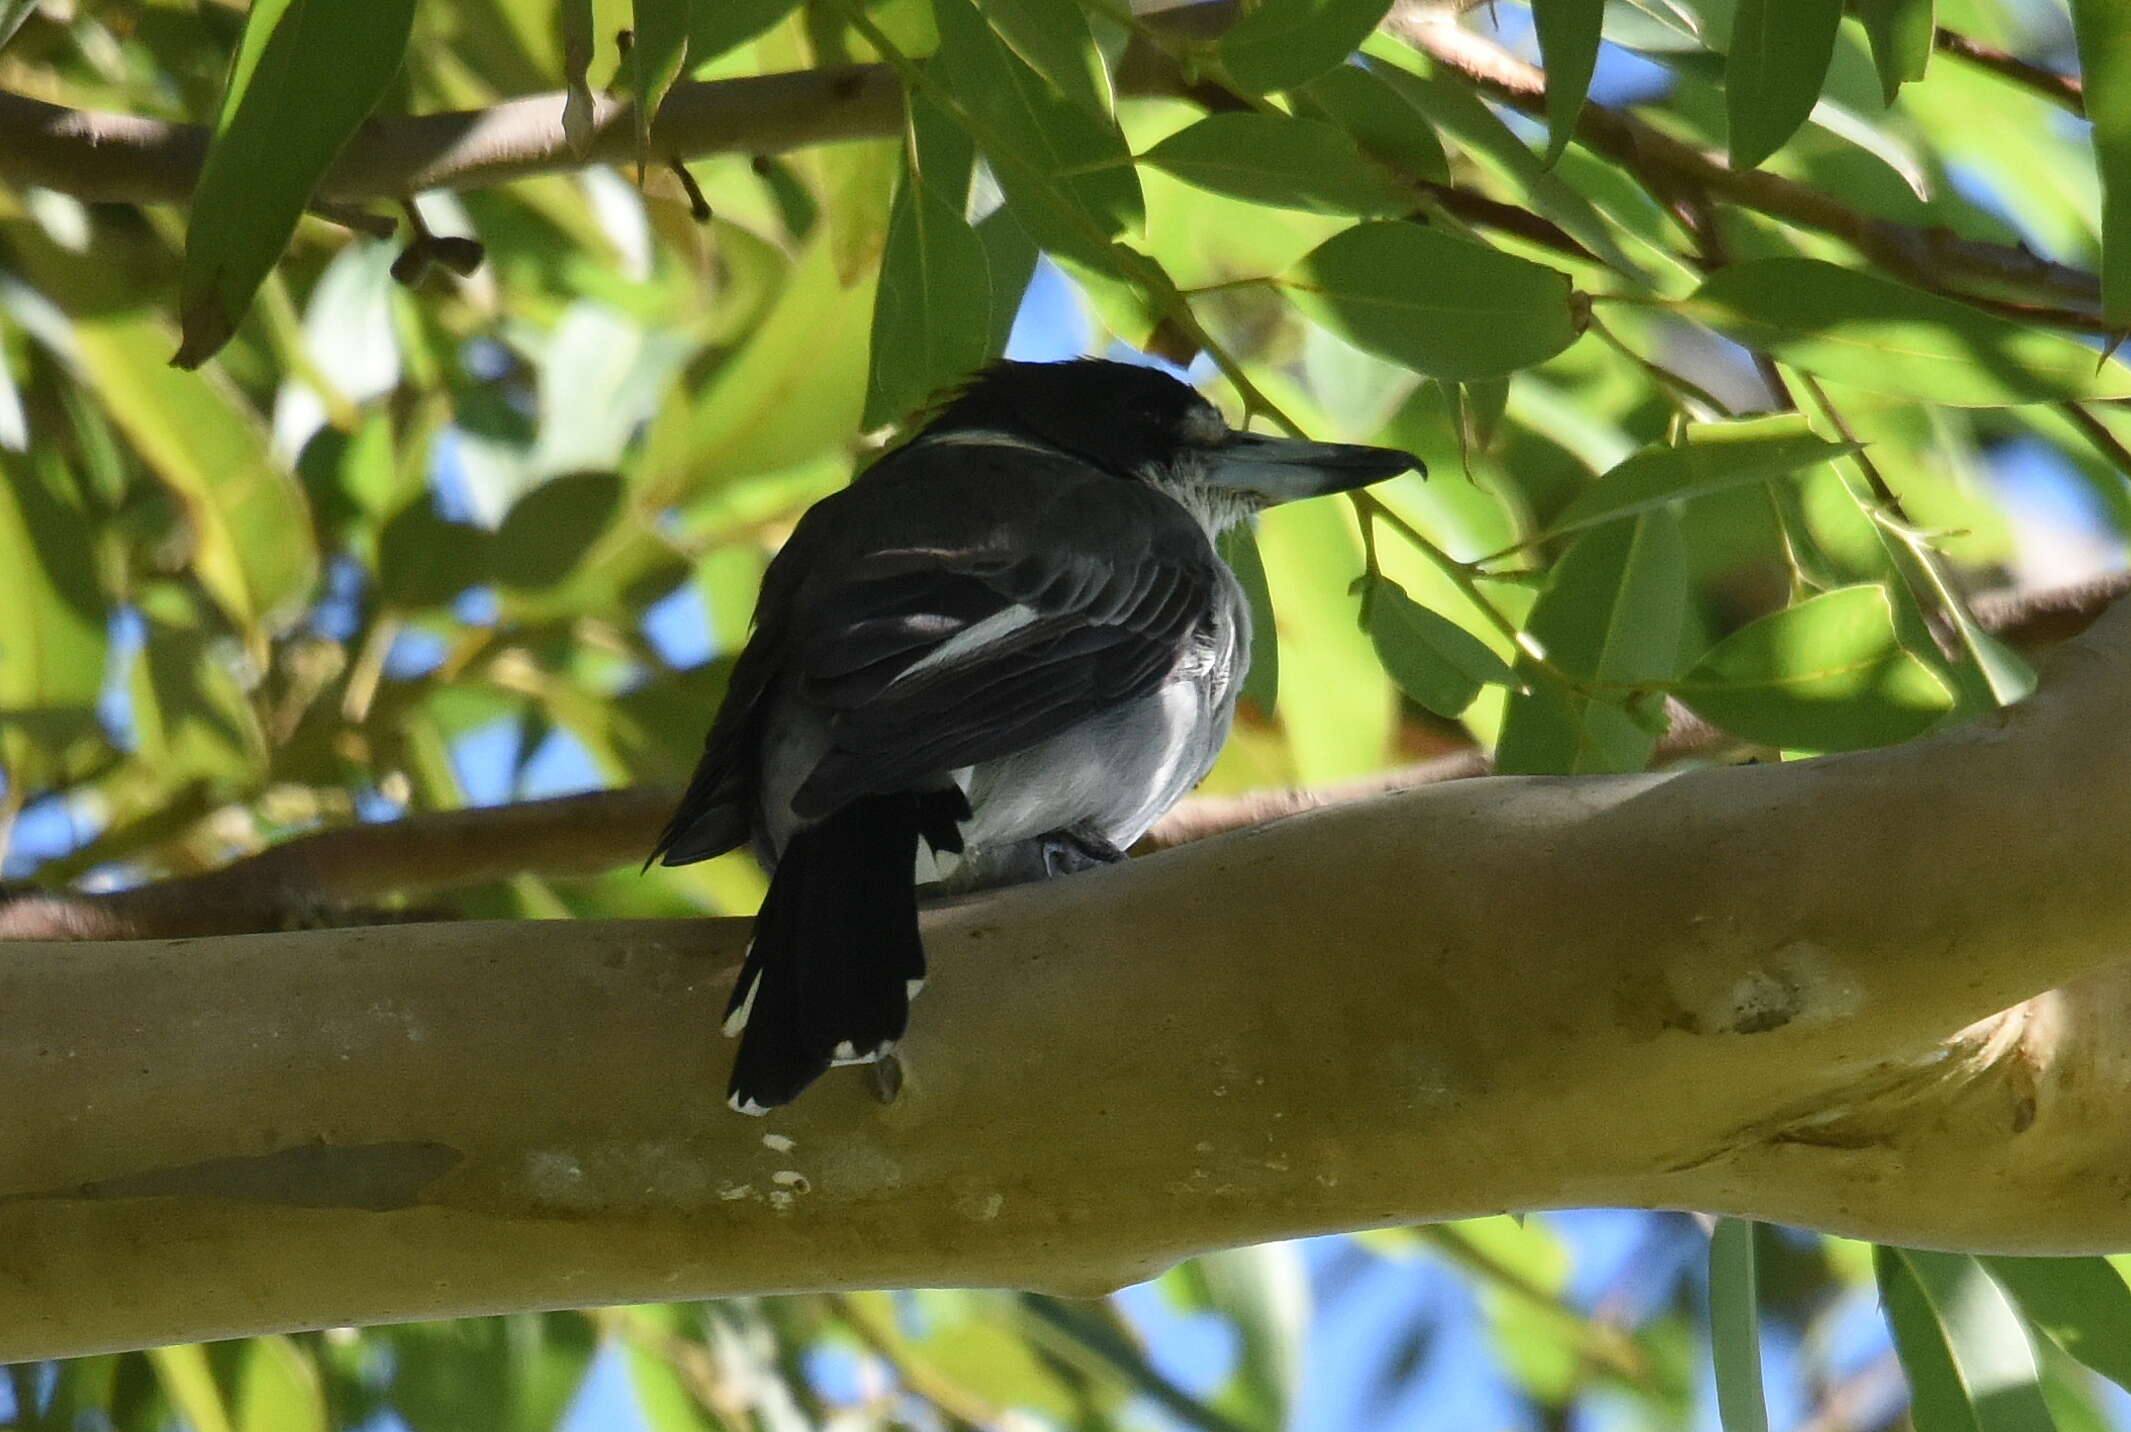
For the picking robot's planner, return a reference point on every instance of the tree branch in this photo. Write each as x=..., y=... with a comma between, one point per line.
x=1765, y=990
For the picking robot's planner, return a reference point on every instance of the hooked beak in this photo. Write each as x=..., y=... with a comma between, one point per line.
x=1275, y=470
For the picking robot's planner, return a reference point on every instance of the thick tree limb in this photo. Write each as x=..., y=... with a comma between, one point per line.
x=1765, y=990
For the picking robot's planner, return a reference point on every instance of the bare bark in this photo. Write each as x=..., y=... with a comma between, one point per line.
x=1764, y=990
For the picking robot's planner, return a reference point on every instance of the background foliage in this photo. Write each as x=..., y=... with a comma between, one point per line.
x=1730, y=407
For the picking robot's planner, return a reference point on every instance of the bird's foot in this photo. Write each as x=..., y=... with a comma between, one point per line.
x=1069, y=851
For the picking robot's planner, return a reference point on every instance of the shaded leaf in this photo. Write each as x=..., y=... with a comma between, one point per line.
x=1441, y=306
x=574, y=19
x=1900, y=33
x=1261, y=683
x=1568, y=43
x=2104, y=31
x=1052, y=38
x=1281, y=43
x=1970, y=1365
x=51, y=621
x=1609, y=617
x=1433, y=659
x=1382, y=121
x=715, y=26
x=1829, y=674
x=658, y=52
x=1275, y=159
x=1780, y=51
x=933, y=319
x=1712, y=457
x=1264, y=1293
x=549, y=530
x=307, y=72
x=1066, y=173
x=1735, y=1326
x=1886, y=337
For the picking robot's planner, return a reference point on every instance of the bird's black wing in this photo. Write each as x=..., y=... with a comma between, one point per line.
x=958, y=603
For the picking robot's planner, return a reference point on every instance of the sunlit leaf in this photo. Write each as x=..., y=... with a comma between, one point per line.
x=2082, y=1303
x=1962, y=1343
x=1780, y=51
x=1281, y=43
x=252, y=529
x=715, y=26
x=307, y=73
x=1873, y=333
x=189, y=1383
x=1828, y=674
x=1568, y=43
x=278, y=1389
x=51, y=620
x=1608, y=620
x=1480, y=313
x=1269, y=159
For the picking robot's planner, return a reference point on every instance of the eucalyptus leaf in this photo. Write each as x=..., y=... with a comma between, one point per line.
x=1279, y=44
x=1439, y=305
x=1780, y=50
x=2082, y=1303
x=1609, y=618
x=1873, y=333
x=1735, y=1326
x=2104, y=31
x=307, y=73
x=1828, y=674
x=1900, y=33
x=1710, y=458
x=1569, y=32
x=1971, y=1367
x=1271, y=159
x=1434, y=660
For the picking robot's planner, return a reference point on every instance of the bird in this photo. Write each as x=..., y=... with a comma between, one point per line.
x=999, y=654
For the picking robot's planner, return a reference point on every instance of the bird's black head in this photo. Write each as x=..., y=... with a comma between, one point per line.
x=1122, y=417
x=1142, y=425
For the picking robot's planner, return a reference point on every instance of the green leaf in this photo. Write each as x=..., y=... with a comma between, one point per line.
x=1610, y=616
x=1712, y=457
x=1971, y=1367
x=251, y=528
x=1568, y=43
x=1900, y=32
x=1479, y=313
x=2104, y=31
x=1735, y=1326
x=1433, y=659
x=189, y=1383
x=1279, y=160
x=717, y=26
x=1261, y=683
x=1052, y=38
x=1264, y=1294
x=52, y=621
x=933, y=314
x=1886, y=337
x=1382, y=121
x=1780, y=50
x=307, y=73
x=278, y=1389
x=1338, y=708
x=1067, y=174
x=2082, y=1303
x=1282, y=43
x=1829, y=674
x=549, y=530
x=658, y=52
x=424, y=561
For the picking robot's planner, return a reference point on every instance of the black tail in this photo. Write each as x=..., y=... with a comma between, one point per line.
x=836, y=956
